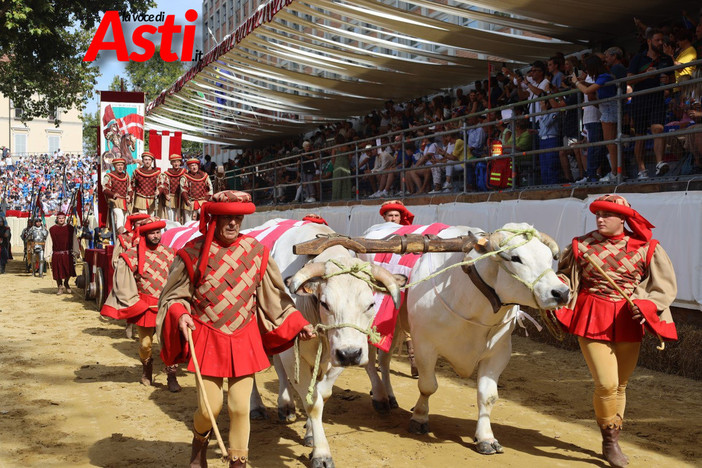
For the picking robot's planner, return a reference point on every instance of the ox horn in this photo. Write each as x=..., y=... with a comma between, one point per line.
x=550, y=243
x=390, y=283
x=306, y=273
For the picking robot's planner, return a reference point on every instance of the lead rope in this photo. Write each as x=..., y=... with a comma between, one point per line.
x=372, y=334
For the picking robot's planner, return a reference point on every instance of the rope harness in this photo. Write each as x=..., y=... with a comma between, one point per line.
x=363, y=272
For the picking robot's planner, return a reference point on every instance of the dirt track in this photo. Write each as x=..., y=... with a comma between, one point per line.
x=69, y=396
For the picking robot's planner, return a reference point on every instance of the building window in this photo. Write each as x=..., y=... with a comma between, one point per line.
x=54, y=143
x=20, y=143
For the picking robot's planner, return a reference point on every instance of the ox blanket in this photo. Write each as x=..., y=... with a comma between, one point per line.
x=267, y=234
x=386, y=313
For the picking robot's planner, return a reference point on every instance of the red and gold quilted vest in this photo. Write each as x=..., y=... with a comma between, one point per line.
x=156, y=265
x=196, y=186
x=625, y=268
x=145, y=182
x=225, y=298
x=118, y=184
x=171, y=180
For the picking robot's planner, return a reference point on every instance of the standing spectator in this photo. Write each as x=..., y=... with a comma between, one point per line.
x=686, y=54
x=554, y=65
x=608, y=110
x=648, y=110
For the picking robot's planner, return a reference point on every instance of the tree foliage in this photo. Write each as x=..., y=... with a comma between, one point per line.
x=90, y=122
x=42, y=43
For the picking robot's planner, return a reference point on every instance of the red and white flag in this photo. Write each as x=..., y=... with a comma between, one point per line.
x=163, y=144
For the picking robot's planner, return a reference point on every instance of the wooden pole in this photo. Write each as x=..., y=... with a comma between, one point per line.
x=201, y=385
x=609, y=279
x=410, y=243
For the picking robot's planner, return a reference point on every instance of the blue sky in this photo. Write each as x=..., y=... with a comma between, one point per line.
x=107, y=61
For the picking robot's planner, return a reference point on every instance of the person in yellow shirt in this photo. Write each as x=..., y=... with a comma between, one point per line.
x=686, y=54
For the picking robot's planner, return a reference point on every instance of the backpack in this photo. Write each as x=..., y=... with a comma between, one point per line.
x=499, y=174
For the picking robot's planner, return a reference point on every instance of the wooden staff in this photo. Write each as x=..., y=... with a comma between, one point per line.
x=409, y=243
x=198, y=377
x=609, y=279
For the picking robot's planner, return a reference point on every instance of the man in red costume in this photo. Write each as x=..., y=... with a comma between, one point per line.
x=144, y=185
x=62, y=248
x=169, y=188
x=224, y=287
x=394, y=211
x=608, y=329
x=125, y=240
x=118, y=191
x=139, y=278
x=195, y=189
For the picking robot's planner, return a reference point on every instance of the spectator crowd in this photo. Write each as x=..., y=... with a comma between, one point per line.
x=433, y=140
x=56, y=176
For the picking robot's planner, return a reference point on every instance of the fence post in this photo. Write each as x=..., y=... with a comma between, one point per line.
x=620, y=159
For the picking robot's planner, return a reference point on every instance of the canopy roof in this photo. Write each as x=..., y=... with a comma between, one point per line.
x=294, y=65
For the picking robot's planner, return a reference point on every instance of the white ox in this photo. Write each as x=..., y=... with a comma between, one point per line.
x=331, y=300
x=449, y=316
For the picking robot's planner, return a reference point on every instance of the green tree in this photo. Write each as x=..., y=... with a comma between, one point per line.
x=90, y=122
x=42, y=43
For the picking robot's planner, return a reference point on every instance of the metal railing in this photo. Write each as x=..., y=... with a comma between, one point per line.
x=266, y=180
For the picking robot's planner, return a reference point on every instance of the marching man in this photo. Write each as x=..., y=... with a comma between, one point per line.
x=226, y=290
x=169, y=188
x=144, y=185
x=118, y=191
x=139, y=278
x=195, y=189
x=62, y=248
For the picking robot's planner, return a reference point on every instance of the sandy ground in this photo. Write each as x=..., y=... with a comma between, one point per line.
x=69, y=396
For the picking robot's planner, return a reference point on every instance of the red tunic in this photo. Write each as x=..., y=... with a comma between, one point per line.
x=600, y=312
x=169, y=184
x=62, y=266
x=196, y=188
x=117, y=185
x=144, y=184
x=157, y=261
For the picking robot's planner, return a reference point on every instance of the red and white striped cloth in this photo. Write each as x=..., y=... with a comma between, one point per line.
x=267, y=234
x=386, y=313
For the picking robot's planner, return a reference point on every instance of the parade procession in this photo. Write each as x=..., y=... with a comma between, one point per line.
x=269, y=233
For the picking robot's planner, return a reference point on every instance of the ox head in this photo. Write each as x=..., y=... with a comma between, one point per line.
x=522, y=272
x=345, y=297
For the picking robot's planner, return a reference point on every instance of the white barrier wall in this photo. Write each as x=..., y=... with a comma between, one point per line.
x=676, y=215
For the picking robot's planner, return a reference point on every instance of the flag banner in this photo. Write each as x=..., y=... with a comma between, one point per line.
x=162, y=144
x=121, y=135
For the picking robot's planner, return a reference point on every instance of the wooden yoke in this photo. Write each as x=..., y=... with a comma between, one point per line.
x=409, y=243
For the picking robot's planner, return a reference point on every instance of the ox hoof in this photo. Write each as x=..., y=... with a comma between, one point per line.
x=489, y=448
x=382, y=407
x=287, y=414
x=322, y=462
x=416, y=427
x=393, y=403
x=258, y=414
x=308, y=441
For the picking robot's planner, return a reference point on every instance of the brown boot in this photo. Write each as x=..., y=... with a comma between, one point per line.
x=237, y=461
x=610, y=443
x=198, y=455
x=172, y=380
x=410, y=354
x=147, y=369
